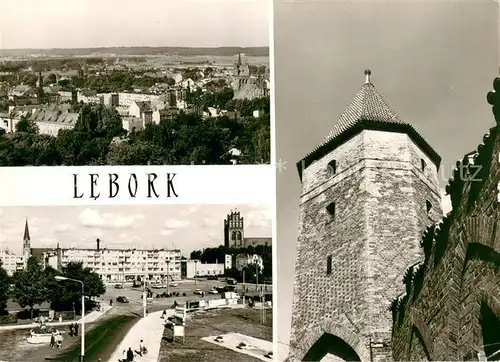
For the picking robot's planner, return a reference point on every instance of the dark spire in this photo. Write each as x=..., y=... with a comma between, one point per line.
x=368, y=72
x=26, y=231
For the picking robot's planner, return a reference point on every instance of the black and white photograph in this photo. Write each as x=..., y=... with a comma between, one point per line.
x=136, y=283
x=118, y=82
x=387, y=155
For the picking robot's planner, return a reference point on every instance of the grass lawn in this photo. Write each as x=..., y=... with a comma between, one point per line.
x=212, y=323
x=101, y=341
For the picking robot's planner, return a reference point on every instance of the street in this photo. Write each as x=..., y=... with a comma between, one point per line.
x=134, y=295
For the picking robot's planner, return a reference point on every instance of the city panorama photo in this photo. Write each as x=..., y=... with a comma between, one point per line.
x=161, y=84
x=132, y=283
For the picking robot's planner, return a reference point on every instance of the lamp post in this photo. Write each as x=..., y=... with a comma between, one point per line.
x=168, y=273
x=82, y=353
x=195, y=272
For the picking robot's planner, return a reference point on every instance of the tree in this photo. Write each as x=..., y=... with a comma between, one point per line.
x=4, y=289
x=30, y=285
x=26, y=125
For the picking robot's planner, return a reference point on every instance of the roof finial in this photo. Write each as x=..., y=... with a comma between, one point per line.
x=368, y=72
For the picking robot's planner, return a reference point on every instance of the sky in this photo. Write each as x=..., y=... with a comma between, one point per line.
x=434, y=62
x=98, y=23
x=184, y=227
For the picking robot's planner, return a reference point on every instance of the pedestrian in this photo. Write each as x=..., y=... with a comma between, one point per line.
x=163, y=314
x=130, y=355
x=52, y=340
x=71, y=329
x=141, y=348
x=76, y=329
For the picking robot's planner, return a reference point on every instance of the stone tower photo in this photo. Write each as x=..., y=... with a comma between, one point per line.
x=233, y=230
x=26, y=245
x=368, y=193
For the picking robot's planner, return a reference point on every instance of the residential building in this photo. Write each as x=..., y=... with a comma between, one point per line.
x=196, y=268
x=132, y=124
x=51, y=122
x=11, y=262
x=117, y=264
x=244, y=260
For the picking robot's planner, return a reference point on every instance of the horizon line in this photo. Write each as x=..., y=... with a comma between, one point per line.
x=143, y=46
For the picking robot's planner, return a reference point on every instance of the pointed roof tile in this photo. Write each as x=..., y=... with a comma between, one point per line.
x=368, y=105
x=26, y=231
x=368, y=110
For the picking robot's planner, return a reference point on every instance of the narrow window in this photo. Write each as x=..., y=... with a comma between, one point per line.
x=329, y=265
x=428, y=206
x=422, y=164
x=332, y=167
x=331, y=209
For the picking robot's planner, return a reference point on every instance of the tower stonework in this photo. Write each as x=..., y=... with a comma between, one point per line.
x=233, y=230
x=368, y=193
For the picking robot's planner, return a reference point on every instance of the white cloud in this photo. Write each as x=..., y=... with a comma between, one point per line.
x=176, y=223
x=62, y=228
x=259, y=218
x=167, y=232
x=92, y=218
x=210, y=222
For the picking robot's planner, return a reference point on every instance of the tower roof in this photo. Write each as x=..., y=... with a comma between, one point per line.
x=368, y=110
x=26, y=231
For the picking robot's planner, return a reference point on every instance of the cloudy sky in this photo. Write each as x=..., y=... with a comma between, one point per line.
x=434, y=61
x=184, y=227
x=99, y=23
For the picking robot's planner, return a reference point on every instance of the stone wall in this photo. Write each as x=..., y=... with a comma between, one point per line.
x=442, y=315
x=380, y=194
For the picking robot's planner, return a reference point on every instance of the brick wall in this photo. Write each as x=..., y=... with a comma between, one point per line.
x=439, y=318
x=380, y=194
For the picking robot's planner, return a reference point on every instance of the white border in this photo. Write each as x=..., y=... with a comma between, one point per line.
x=273, y=163
x=55, y=186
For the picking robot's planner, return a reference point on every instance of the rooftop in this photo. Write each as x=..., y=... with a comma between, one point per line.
x=368, y=110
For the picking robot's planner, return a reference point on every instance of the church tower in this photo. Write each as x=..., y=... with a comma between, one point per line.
x=368, y=193
x=26, y=245
x=233, y=230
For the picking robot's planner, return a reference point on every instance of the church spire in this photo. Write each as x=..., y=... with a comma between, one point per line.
x=26, y=231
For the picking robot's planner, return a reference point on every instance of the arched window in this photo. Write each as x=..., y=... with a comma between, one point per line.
x=332, y=167
x=233, y=235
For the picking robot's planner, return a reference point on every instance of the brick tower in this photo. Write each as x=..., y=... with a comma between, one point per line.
x=368, y=193
x=233, y=230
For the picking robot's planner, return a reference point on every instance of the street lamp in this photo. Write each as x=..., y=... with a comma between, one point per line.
x=168, y=273
x=82, y=353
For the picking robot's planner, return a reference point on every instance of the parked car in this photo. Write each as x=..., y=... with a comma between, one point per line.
x=122, y=299
x=118, y=286
x=198, y=291
x=173, y=284
x=214, y=291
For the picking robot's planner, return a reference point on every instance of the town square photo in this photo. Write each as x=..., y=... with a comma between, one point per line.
x=388, y=168
x=166, y=283
x=160, y=83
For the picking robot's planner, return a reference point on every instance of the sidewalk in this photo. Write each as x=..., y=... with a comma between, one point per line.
x=149, y=329
x=89, y=318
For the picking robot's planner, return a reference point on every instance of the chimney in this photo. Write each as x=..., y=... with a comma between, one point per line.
x=98, y=242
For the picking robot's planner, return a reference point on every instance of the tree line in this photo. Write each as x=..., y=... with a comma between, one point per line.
x=36, y=285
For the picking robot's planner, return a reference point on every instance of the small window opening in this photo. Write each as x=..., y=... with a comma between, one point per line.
x=331, y=209
x=329, y=265
x=428, y=206
x=332, y=167
x=422, y=164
